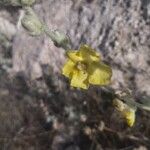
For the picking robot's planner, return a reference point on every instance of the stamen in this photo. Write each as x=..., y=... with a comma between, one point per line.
x=81, y=66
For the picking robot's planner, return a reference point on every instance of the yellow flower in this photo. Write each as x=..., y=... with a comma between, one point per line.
x=126, y=111
x=84, y=67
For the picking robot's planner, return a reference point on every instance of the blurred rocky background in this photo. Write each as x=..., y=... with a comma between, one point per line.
x=38, y=109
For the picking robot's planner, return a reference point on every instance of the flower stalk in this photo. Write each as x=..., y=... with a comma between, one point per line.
x=36, y=27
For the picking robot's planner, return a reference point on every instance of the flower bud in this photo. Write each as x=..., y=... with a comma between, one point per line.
x=127, y=111
x=60, y=39
x=32, y=23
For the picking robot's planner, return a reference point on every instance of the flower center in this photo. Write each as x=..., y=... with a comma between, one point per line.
x=81, y=66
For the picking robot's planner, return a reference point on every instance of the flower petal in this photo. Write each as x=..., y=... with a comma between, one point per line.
x=68, y=68
x=99, y=74
x=79, y=79
x=89, y=54
x=74, y=55
x=129, y=115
